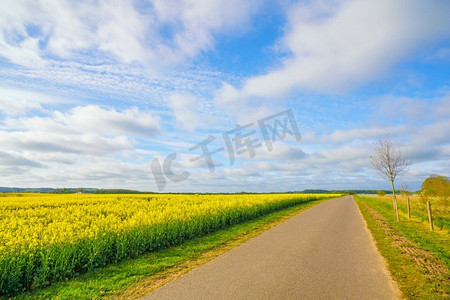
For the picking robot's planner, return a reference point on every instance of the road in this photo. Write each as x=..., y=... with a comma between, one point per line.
x=325, y=252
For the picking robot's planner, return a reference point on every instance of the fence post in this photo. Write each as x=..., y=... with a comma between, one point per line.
x=396, y=210
x=409, y=208
x=430, y=217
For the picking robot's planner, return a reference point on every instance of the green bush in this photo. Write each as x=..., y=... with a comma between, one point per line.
x=381, y=193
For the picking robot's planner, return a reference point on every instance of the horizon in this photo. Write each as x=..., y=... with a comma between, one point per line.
x=93, y=94
x=83, y=190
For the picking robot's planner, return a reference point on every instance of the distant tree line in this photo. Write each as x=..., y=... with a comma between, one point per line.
x=350, y=192
x=69, y=190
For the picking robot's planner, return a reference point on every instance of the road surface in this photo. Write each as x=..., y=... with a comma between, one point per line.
x=325, y=252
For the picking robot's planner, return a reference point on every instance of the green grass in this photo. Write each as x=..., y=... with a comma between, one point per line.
x=417, y=229
x=418, y=258
x=136, y=277
x=439, y=207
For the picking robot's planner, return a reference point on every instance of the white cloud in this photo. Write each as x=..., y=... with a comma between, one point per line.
x=334, y=46
x=91, y=119
x=46, y=142
x=187, y=111
x=26, y=53
x=73, y=140
x=89, y=171
x=19, y=102
x=340, y=136
x=411, y=110
x=156, y=33
x=437, y=133
x=282, y=151
x=16, y=160
x=442, y=110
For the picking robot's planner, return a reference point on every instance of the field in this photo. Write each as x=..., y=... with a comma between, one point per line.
x=418, y=259
x=48, y=238
x=440, y=209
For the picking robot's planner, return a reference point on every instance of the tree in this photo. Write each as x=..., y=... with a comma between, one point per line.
x=390, y=164
x=404, y=190
x=436, y=186
x=381, y=193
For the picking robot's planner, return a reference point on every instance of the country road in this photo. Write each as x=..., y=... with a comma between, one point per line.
x=325, y=252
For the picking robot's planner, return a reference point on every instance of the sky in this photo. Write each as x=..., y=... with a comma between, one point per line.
x=173, y=95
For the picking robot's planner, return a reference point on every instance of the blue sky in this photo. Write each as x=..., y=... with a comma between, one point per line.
x=92, y=92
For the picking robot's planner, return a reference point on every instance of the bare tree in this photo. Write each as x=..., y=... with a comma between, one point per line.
x=404, y=190
x=390, y=163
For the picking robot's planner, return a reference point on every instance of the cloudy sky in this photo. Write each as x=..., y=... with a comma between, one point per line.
x=100, y=93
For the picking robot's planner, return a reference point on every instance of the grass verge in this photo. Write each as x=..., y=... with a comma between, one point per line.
x=417, y=258
x=133, y=278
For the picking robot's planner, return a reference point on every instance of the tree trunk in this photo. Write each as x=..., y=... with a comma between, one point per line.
x=408, y=208
x=393, y=193
x=430, y=217
x=395, y=200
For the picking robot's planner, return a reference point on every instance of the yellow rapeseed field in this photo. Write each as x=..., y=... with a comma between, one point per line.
x=46, y=237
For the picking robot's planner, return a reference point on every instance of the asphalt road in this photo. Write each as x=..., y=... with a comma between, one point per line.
x=325, y=252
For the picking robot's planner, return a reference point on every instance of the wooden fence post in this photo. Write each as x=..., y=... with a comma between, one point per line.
x=430, y=217
x=408, y=208
x=396, y=210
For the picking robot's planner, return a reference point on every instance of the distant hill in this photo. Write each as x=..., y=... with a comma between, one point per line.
x=69, y=190
x=24, y=190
